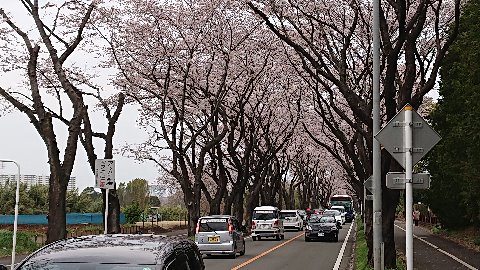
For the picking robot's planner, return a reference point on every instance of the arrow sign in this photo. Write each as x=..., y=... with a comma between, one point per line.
x=424, y=138
x=105, y=173
x=396, y=180
x=369, y=184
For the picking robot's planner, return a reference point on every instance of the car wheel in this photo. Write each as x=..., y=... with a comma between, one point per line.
x=243, y=250
x=233, y=256
x=335, y=239
x=259, y=238
x=307, y=239
x=277, y=237
x=254, y=238
x=282, y=236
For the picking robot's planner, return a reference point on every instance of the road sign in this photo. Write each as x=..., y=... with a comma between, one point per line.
x=369, y=184
x=105, y=173
x=392, y=137
x=396, y=180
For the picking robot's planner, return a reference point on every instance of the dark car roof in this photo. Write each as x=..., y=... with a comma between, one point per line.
x=142, y=249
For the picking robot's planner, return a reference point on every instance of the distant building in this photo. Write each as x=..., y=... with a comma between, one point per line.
x=32, y=180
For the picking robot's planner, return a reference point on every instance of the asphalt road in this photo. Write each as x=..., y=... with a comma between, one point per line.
x=291, y=253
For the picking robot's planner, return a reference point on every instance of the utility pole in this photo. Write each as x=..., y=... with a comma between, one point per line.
x=409, y=185
x=377, y=170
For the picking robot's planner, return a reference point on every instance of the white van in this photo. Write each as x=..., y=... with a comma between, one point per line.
x=266, y=222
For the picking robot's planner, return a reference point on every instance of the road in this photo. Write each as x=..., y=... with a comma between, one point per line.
x=291, y=253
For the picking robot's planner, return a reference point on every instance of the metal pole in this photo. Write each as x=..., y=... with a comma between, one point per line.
x=377, y=170
x=409, y=186
x=15, y=221
x=106, y=211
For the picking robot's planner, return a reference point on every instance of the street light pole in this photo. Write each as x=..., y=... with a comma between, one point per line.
x=377, y=170
x=15, y=222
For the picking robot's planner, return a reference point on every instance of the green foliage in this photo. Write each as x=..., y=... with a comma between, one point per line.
x=133, y=212
x=361, y=248
x=25, y=242
x=172, y=213
x=135, y=190
x=154, y=201
x=455, y=163
x=35, y=200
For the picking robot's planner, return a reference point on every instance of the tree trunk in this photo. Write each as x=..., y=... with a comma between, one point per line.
x=57, y=220
x=113, y=218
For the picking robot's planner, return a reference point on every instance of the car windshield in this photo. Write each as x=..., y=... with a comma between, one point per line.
x=327, y=220
x=49, y=265
x=264, y=215
x=315, y=218
x=333, y=212
x=213, y=224
x=287, y=214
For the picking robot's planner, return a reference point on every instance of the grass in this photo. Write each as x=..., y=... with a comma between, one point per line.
x=361, y=251
x=25, y=243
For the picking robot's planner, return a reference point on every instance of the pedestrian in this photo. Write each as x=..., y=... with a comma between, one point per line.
x=416, y=216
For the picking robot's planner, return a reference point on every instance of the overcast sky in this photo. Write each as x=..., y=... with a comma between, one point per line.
x=19, y=140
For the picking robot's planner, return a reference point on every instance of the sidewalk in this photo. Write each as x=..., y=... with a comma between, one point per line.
x=435, y=252
x=7, y=260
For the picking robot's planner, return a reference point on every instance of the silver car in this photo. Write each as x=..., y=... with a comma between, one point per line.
x=291, y=219
x=220, y=234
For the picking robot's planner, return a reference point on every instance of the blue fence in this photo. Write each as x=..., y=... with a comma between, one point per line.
x=72, y=218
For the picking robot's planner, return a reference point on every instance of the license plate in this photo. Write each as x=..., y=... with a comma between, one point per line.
x=214, y=239
x=320, y=234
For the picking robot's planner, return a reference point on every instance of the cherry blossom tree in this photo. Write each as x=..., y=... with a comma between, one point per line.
x=53, y=94
x=332, y=42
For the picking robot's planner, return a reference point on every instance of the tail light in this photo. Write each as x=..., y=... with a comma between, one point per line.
x=253, y=225
x=230, y=228
x=275, y=224
x=198, y=228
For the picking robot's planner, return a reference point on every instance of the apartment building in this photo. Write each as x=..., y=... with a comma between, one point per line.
x=31, y=180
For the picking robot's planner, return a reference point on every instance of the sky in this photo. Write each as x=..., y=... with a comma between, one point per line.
x=19, y=141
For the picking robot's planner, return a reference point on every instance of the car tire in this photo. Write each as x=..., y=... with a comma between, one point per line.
x=307, y=239
x=243, y=250
x=277, y=237
x=335, y=239
x=259, y=238
x=282, y=236
x=233, y=256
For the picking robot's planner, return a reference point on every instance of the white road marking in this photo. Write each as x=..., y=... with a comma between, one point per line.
x=342, y=250
x=442, y=251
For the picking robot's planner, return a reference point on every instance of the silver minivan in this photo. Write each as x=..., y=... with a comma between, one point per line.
x=220, y=234
x=266, y=222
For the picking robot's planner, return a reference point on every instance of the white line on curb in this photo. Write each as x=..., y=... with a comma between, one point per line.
x=342, y=250
x=442, y=251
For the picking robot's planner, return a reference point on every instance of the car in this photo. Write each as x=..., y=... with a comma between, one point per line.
x=291, y=219
x=337, y=215
x=116, y=251
x=321, y=227
x=342, y=211
x=303, y=214
x=266, y=222
x=349, y=216
x=220, y=234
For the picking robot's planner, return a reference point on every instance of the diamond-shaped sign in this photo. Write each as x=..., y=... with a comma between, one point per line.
x=391, y=136
x=369, y=184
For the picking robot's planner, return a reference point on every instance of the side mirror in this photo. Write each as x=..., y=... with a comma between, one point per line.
x=3, y=267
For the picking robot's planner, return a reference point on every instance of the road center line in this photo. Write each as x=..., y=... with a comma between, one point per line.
x=265, y=253
x=441, y=250
x=342, y=250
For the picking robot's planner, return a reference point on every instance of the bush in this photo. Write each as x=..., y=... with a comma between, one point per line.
x=25, y=242
x=133, y=213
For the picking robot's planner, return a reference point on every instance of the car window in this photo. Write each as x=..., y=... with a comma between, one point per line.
x=213, y=224
x=264, y=215
x=287, y=214
x=327, y=220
